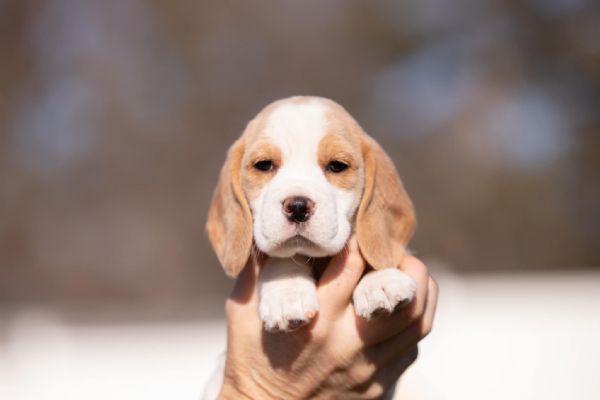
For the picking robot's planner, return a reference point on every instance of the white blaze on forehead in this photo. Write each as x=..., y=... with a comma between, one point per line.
x=297, y=128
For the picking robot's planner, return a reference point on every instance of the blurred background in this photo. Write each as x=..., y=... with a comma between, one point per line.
x=114, y=122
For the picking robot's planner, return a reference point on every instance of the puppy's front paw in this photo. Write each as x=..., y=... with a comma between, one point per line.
x=288, y=304
x=382, y=292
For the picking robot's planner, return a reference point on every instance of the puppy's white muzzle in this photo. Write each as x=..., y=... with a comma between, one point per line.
x=324, y=232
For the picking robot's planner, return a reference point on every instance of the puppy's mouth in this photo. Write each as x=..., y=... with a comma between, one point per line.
x=300, y=245
x=300, y=242
x=287, y=240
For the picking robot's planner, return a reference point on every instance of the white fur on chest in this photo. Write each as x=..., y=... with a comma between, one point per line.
x=287, y=294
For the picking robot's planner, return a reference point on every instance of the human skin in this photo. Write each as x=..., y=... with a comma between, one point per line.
x=338, y=355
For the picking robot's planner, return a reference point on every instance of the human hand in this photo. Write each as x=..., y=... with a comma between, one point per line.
x=338, y=355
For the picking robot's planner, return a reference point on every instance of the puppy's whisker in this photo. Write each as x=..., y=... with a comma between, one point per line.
x=346, y=249
x=299, y=263
x=255, y=252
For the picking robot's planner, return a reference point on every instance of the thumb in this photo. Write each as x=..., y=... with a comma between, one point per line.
x=341, y=277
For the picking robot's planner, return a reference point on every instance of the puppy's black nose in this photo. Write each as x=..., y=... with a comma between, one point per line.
x=298, y=208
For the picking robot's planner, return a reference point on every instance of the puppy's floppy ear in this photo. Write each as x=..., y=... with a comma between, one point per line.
x=386, y=220
x=229, y=222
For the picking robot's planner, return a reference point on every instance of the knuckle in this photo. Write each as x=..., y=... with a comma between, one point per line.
x=434, y=284
x=416, y=264
x=354, y=261
x=230, y=307
x=319, y=334
x=426, y=329
x=417, y=310
x=360, y=374
x=374, y=391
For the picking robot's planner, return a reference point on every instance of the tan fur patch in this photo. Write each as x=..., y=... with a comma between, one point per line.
x=253, y=180
x=336, y=147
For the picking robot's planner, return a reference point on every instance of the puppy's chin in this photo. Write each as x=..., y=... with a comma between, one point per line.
x=300, y=245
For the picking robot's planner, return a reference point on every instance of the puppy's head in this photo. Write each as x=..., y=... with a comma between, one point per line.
x=302, y=177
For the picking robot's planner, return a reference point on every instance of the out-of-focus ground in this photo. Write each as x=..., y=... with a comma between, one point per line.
x=115, y=118
x=496, y=337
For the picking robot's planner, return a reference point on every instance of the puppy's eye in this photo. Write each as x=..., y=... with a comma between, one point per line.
x=265, y=165
x=336, y=166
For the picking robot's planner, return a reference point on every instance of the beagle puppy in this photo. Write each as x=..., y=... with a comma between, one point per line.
x=302, y=179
